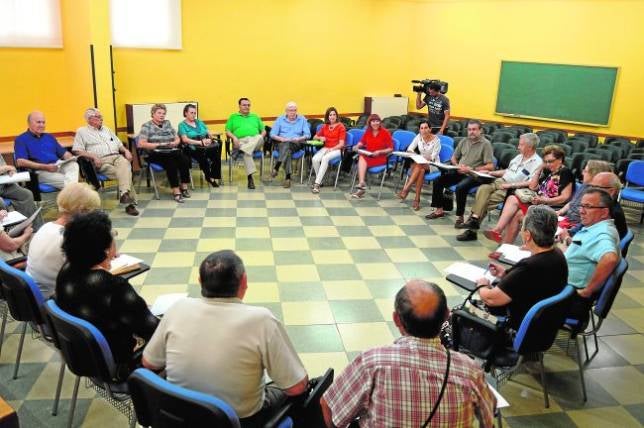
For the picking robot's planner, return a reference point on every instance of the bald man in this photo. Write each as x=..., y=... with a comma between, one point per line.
x=397, y=385
x=38, y=150
x=610, y=183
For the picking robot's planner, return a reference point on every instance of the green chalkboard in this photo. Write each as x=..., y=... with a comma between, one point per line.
x=558, y=92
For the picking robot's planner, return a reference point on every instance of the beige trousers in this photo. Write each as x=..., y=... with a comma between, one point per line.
x=248, y=145
x=119, y=168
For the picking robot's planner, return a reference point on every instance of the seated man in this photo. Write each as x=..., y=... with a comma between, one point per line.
x=218, y=345
x=610, y=183
x=35, y=149
x=21, y=199
x=593, y=253
x=383, y=386
x=472, y=153
x=100, y=146
x=289, y=130
x=247, y=132
x=517, y=175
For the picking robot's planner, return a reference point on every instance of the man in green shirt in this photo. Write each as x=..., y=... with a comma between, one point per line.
x=247, y=132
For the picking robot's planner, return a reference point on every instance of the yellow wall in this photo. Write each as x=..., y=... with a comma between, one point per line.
x=333, y=53
x=56, y=81
x=477, y=35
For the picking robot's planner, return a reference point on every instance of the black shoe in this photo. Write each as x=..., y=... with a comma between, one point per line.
x=251, y=183
x=468, y=235
x=131, y=210
x=185, y=193
x=471, y=223
x=212, y=182
x=126, y=198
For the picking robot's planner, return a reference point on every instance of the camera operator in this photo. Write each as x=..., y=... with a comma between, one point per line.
x=437, y=105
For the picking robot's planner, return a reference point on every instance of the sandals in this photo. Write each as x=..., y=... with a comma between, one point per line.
x=185, y=193
x=434, y=215
x=178, y=198
x=493, y=236
x=402, y=195
x=361, y=186
x=316, y=188
x=415, y=205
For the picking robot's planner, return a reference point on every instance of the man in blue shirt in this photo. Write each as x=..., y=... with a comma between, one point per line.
x=38, y=150
x=593, y=253
x=289, y=131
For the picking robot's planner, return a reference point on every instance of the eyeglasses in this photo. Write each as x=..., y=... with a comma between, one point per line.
x=96, y=117
x=245, y=105
x=601, y=187
x=590, y=207
x=549, y=161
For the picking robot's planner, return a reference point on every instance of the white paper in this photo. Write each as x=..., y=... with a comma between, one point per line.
x=365, y=152
x=513, y=253
x=443, y=165
x=402, y=154
x=124, y=260
x=561, y=218
x=469, y=272
x=482, y=174
x=413, y=156
x=61, y=162
x=17, y=231
x=12, y=218
x=500, y=401
x=165, y=301
x=17, y=177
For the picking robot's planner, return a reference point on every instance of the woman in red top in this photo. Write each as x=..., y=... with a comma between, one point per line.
x=333, y=134
x=376, y=140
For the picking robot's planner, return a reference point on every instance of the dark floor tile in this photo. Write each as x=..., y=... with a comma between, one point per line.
x=287, y=232
x=545, y=420
x=331, y=243
x=338, y=272
x=315, y=338
x=350, y=231
x=217, y=232
x=637, y=411
x=292, y=258
x=146, y=233
x=369, y=256
x=254, y=244
x=252, y=222
x=316, y=221
x=354, y=311
x=186, y=222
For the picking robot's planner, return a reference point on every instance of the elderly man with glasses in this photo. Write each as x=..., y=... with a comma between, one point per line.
x=593, y=253
x=101, y=151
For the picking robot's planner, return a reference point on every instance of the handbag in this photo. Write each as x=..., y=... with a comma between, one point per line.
x=525, y=195
x=474, y=330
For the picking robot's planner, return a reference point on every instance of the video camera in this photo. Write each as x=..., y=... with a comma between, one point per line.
x=423, y=87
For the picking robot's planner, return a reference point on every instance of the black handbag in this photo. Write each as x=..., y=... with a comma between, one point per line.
x=474, y=330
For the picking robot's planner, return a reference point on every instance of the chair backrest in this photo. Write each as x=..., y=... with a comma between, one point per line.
x=445, y=154
x=348, y=140
x=158, y=403
x=83, y=346
x=635, y=173
x=609, y=290
x=361, y=122
x=540, y=325
x=404, y=137
x=626, y=242
x=393, y=159
x=506, y=156
x=23, y=297
x=446, y=141
x=357, y=134
x=317, y=128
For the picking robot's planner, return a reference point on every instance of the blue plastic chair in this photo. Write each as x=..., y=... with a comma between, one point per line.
x=602, y=308
x=25, y=303
x=444, y=156
x=356, y=133
x=158, y=403
x=634, y=189
x=298, y=155
x=257, y=154
x=625, y=243
x=37, y=188
x=536, y=334
x=87, y=354
x=337, y=162
x=150, y=169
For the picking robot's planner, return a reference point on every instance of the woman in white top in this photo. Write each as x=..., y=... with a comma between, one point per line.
x=46, y=257
x=429, y=146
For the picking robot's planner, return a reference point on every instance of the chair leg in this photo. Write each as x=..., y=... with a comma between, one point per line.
x=61, y=375
x=302, y=169
x=382, y=181
x=19, y=353
x=581, y=371
x=154, y=184
x=353, y=180
x=72, y=404
x=543, y=381
x=4, y=324
x=337, y=176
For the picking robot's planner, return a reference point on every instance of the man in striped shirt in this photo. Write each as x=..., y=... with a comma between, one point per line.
x=100, y=146
x=397, y=385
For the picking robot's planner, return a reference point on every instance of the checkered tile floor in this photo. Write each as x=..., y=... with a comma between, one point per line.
x=328, y=267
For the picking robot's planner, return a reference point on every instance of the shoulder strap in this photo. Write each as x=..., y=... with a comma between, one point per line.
x=440, y=394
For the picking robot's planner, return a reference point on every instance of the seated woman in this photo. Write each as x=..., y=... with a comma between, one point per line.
x=11, y=247
x=570, y=211
x=429, y=146
x=199, y=144
x=85, y=288
x=535, y=278
x=159, y=139
x=554, y=186
x=376, y=140
x=46, y=257
x=332, y=134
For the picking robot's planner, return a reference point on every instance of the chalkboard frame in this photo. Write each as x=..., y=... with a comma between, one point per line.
x=500, y=110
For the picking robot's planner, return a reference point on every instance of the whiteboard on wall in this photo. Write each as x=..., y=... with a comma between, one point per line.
x=138, y=114
x=386, y=106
